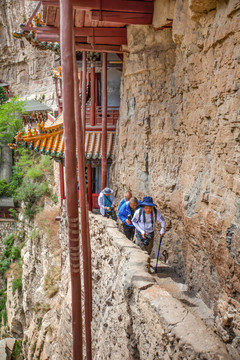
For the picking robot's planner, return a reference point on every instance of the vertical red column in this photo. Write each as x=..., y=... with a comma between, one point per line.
x=66, y=33
x=89, y=168
x=92, y=109
x=84, y=90
x=62, y=190
x=104, y=120
x=86, y=250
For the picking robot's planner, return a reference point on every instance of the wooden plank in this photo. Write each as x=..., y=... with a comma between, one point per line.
x=91, y=31
x=122, y=17
x=116, y=5
x=44, y=13
x=108, y=40
x=57, y=19
x=145, y=7
x=99, y=48
x=79, y=18
x=51, y=15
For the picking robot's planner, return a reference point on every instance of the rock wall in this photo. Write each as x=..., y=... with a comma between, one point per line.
x=180, y=94
x=26, y=69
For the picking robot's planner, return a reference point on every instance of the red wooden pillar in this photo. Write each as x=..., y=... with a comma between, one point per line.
x=92, y=109
x=104, y=120
x=86, y=250
x=89, y=169
x=66, y=34
x=62, y=190
x=96, y=89
x=84, y=89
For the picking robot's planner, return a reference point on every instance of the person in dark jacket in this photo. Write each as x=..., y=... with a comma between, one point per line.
x=126, y=214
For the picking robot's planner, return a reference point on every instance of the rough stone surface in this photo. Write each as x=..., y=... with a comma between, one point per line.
x=180, y=94
x=26, y=69
x=133, y=316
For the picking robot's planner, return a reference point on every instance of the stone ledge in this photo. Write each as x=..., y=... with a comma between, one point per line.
x=176, y=321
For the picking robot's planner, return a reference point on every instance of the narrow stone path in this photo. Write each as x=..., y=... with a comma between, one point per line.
x=167, y=278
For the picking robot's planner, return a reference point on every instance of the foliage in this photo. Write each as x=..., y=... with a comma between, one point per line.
x=17, y=351
x=10, y=263
x=4, y=265
x=4, y=188
x=3, y=95
x=30, y=181
x=17, y=285
x=3, y=312
x=10, y=119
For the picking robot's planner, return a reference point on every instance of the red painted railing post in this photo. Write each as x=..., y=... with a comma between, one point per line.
x=89, y=168
x=92, y=87
x=104, y=120
x=62, y=190
x=66, y=29
x=86, y=250
x=84, y=90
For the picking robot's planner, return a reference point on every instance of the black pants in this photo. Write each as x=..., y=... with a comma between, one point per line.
x=129, y=231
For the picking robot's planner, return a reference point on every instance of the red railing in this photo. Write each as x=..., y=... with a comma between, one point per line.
x=112, y=115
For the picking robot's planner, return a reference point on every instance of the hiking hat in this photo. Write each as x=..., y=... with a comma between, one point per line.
x=106, y=191
x=147, y=201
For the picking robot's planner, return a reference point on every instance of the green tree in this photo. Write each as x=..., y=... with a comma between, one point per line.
x=3, y=95
x=11, y=114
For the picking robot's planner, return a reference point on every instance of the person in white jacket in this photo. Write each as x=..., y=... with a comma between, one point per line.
x=106, y=201
x=144, y=221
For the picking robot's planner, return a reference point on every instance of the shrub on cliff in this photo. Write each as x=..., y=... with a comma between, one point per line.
x=30, y=182
x=11, y=113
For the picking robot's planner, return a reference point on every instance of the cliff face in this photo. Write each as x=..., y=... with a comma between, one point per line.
x=26, y=69
x=180, y=94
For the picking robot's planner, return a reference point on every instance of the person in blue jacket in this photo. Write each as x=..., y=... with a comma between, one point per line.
x=126, y=214
x=127, y=197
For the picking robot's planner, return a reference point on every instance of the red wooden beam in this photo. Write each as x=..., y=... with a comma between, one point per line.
x=91, y=31
x=122, y=17
x=27, y=27
x=84, y=31
x=107, y=40
x=99, y=48
x=145, y=7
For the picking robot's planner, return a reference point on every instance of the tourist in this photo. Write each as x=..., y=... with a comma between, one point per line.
x=106, y=201
x=144, y=221
x=127, y=197
x=126, y=214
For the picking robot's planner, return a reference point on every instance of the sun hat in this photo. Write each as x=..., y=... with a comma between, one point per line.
x=147, y=201
x=107, y=190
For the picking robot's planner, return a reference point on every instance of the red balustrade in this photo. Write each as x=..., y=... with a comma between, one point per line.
x=112, y=115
